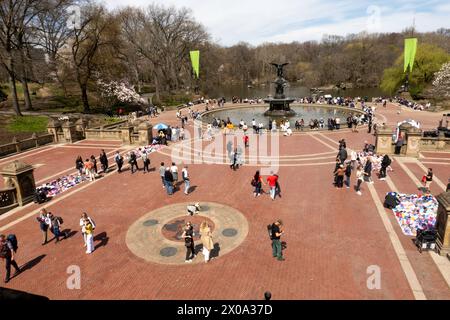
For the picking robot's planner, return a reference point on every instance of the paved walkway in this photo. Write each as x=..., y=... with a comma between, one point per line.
x=334, y=237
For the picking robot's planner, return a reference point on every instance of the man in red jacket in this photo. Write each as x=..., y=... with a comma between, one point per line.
x=272, y=181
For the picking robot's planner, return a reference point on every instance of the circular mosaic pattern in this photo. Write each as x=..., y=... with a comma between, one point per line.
x=155, y=236
x=173, y=230
x=168, y=251
x=230, y=232
x=150, y=223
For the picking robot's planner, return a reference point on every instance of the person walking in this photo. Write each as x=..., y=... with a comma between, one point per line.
x=359, y=179
x=168, y=181
x=340, y=172
x=272, y=181
x=162, y=171
x=186, y=179
x=234, y=165
x=428, y=178
x=188, y=236
x=84, y=216
x=368, y=170
x=79, y=165
x=89, y=168
x=174, y=171
x=385, y=163
x=399, y=144
x=257, y=182
x=104, y=161
x=94, y=164
x=119, y=161
x=133, y=162
x=342, y=154
x=55, y=227
x=277, y=232
x=353, y=159
x=43, y=224
x=7, y=252
x=89, y=230
x=348, y=173
x=145, y=161
x=207, y=241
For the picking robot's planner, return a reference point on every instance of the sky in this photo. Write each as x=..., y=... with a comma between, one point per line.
x=258, y=21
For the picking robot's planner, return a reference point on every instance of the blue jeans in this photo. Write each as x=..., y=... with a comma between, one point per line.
x=169, y=187
x=187, y=185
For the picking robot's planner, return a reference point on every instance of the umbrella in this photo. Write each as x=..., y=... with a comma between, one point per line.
x=161, y=126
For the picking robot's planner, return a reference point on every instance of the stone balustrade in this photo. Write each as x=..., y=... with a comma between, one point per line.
x=17, y=146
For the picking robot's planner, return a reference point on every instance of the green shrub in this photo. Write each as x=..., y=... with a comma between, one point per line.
x=28, y=124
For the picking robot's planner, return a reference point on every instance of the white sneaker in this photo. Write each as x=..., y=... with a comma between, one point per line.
x=359, y=193
x=188, y=261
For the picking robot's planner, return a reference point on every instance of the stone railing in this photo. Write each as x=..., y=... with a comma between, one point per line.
x=17, y=146
x=434, y=144
x=8, y=199
x=108, y=132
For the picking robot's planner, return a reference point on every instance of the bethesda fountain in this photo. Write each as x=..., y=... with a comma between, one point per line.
x=279, y=104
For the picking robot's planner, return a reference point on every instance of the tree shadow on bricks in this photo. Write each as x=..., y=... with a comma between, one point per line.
x=103, y=238
x=30, y=264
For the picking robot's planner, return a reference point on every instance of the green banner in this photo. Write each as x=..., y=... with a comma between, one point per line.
x=195, y=59
x=410, y=53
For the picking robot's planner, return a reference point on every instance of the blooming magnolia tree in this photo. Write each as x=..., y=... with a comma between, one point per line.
x=114, y=92
x=441, y=83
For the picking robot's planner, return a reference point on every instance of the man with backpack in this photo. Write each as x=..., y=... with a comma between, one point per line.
x=276, y=231
x=8, y=248
x=55, y=227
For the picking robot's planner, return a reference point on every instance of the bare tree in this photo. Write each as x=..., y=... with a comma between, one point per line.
x=85, y=45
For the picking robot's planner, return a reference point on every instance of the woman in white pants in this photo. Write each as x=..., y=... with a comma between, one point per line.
x=84, y=216
x=89, y=236
x=207, y=241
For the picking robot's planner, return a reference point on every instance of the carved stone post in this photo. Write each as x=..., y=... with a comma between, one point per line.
x=126, y=134
x=81, y=126
x=413, y=137
x=17, y=144
x=53, y=127
x=69, y=130
x=19, y=175
x=145, y=134
x=443, y=224
x=383, y=142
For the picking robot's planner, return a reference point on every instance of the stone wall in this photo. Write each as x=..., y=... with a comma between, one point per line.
x=21, y=145
x=434, y=144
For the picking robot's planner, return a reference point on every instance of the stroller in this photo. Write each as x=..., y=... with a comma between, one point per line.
x=40, y=196
x=426, y=239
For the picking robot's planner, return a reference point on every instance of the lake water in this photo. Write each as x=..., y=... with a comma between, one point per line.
x=294, y=91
